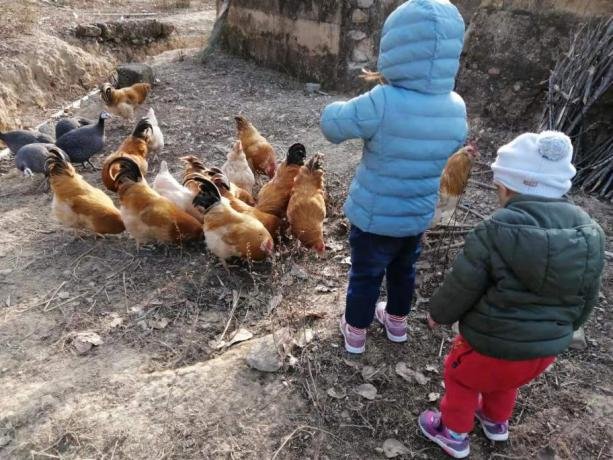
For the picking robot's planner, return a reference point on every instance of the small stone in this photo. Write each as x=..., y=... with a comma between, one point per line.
x=517, y=86
x=393, y=448
x=359, y=17
x=6, y=271
x=88, y=30
x=493, y=71
x=579, y=342
x=63, y=295
x=128, y=74
x=356, y=35
x=264, y=356
x=365, y=3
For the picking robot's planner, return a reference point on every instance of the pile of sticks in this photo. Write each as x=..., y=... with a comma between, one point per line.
x=579, y=80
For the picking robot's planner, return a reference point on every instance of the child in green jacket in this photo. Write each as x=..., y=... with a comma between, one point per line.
x=527, y=278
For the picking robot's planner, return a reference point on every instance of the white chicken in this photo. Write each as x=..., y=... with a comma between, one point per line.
x=156, y=143
x=167, y=186
x=237, y=169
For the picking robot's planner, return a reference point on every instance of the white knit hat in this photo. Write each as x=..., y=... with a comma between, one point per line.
x=536, y=164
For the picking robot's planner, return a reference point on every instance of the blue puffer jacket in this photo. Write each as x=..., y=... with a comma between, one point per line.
x=411, y=126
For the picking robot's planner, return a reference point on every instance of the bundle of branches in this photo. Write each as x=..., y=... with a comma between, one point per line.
x=579, y=80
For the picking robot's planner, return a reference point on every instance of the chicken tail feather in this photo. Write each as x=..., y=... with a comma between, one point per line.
x=208, y=195
x=57, y=162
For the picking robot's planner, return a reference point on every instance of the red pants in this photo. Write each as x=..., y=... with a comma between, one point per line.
x=470, y=375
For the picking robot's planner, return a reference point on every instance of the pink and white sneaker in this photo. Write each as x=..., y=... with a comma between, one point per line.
x=395, y=326
x=355, y=339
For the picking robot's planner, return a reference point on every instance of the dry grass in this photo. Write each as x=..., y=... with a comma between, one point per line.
x=18, y=18
x=173, y=4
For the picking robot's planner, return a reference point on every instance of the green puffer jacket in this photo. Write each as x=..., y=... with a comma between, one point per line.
x=527, y=277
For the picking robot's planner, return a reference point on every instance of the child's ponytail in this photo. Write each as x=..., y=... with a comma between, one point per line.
x=373, y=77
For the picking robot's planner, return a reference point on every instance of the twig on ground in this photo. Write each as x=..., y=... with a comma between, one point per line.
x=481, y=184
x=235, y=297
x=440, y=349
x=472, y=211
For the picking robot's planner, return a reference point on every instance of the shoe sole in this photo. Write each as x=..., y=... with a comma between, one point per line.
x=390, y=337
x=445, y=447
x=490, y=436
x=349, y=348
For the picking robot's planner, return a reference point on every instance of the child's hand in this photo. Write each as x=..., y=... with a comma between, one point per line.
x=431, y=323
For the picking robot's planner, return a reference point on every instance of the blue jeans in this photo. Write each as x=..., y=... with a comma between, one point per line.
x=372, y=257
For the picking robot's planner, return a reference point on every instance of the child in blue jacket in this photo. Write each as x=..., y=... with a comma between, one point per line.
x=410, y=126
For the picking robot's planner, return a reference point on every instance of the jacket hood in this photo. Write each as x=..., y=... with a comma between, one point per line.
x=548, y=244
x=421, y=45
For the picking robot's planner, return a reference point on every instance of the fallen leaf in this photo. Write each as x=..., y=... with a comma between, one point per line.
x=274, y=302
x=336, y=393
x=305, y=336
x=431, y=368
x=410, y=375
x=366, y=390
x=368, y=372
x=299, y=272
x=240, y=336
x=393, y=448
x=350, y=363
x=433, y=396
x=116, y=321
x=158, y=323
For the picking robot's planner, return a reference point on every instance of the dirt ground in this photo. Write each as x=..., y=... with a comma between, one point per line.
x=158, y=386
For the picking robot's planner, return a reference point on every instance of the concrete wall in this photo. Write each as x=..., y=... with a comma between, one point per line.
x=302, y=38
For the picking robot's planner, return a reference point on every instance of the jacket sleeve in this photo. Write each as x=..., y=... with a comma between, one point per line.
x=591, y=301
x=598, y=260
x=358, y=118
x=467, y=282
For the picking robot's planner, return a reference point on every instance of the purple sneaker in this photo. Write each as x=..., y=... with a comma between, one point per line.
x=355, y=339
x=395, y=326
x=493, y=431
x=432, y=427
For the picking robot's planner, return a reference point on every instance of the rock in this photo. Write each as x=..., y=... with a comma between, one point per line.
x=88, y=31
x=63, y=295
x=264, y=356
x=365, y=3
x=579, y=342
x=359, y=17
x=356, y=35
x=128, y=74
x=493, y=71
x=359, y=56
x=393, y=448
x=6, y=271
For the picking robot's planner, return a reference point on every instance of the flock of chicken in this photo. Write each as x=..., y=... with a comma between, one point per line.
x=216, y=204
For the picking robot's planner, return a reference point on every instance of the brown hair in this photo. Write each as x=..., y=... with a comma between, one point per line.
x=373, y=77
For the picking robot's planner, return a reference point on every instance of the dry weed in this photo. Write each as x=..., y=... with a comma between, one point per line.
x=18, y=18
x=173, y=4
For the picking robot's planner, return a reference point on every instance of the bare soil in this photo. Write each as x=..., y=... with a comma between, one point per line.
x=158, y=387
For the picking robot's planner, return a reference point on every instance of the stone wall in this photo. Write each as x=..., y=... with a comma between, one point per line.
x=510, y=45
x=510, y=48
x=326, y=41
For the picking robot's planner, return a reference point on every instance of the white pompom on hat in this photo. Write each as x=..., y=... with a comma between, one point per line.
x=536, y=164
